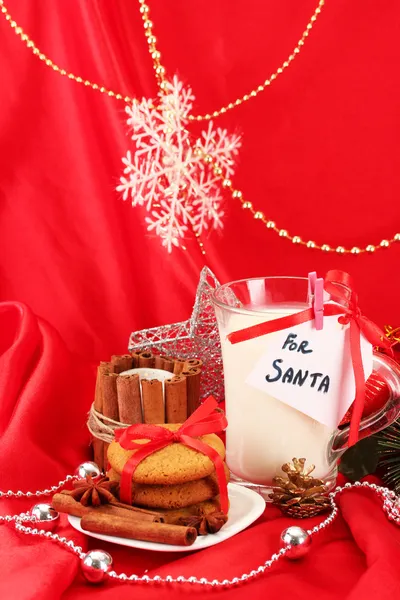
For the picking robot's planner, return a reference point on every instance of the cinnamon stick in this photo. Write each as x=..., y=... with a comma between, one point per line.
x=121, y=362
x=109, y=393
x=193, y=376
x=168, y=364
x=135, y=359
x=193, y=363
x=98, y=452
x=129, y=403
x=178, y=366
x=138, y=530
x=102, y=369
x=146, y=360
x=159, y=361
x=176, y=399
x=64, y=503
x=129, y=512
x=139, y=511
x=153, y=401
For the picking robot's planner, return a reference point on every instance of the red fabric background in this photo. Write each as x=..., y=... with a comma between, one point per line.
x=320, y=154
x=319, y=157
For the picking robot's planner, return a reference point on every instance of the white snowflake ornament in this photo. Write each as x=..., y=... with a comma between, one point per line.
x=167, y=174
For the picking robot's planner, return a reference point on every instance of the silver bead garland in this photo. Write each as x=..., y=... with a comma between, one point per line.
x=391, y=506
x=46, y=492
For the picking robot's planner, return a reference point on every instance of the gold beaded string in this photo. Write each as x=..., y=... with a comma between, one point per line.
x=159, y=70
x=283, y=233
x=155, y=55
x=158, y=67
x=148, y=26
x=160, y=75
x=227, y=183
x=47, y=61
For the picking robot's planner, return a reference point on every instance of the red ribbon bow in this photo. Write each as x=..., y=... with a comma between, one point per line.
x=204, y=420
x=340, y=286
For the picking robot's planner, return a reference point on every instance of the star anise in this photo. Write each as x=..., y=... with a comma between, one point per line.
x=94, y=492
x=205, y=524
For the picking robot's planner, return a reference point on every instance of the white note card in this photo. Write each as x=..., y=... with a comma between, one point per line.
x=311, y=370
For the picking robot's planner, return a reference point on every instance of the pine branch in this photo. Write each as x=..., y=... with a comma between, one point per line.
x=389, y=452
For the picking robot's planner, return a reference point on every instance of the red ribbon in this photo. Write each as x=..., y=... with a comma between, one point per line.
x=204, y=420
x=339, y=285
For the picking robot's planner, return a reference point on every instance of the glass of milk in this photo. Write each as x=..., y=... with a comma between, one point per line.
x=263, y=433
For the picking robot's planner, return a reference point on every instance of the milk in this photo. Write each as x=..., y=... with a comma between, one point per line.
x=264, y=433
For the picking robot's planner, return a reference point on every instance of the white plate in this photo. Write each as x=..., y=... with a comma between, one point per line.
x=245, y=507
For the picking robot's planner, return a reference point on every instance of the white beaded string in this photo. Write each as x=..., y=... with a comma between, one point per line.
x=69, y=544
x=22, y=518
x=46, y=492
x=391, y=506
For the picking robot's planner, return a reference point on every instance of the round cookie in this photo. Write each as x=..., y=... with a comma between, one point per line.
x=172, y=496
x=173, y=464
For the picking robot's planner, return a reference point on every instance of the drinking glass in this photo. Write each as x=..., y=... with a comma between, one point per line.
x=263, y=433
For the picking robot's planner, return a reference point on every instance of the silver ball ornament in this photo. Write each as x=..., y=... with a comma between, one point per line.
x=45, y=515
x=95, y=564
x=87, y=469
x=299, y=541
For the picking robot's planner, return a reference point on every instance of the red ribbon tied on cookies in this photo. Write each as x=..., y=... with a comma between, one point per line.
x=204, y=420
x=340, y=287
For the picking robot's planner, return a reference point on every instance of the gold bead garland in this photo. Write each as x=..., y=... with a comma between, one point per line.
x=283, y=233
x=271, y=78
x=160, y=73
x=47, y=61
x=156, y=57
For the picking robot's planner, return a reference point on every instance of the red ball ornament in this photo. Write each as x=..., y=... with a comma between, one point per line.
x=376, y=395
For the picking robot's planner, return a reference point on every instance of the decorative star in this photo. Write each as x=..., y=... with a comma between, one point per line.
x=198, y=337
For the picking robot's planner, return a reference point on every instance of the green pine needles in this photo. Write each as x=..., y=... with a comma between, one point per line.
x=389, y=455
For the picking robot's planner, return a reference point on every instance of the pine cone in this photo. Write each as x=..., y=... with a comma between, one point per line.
x=300, y=495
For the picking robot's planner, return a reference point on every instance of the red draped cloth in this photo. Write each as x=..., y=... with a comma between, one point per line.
x=320, y=157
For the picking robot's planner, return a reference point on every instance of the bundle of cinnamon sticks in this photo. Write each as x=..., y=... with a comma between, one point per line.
x=127, y=399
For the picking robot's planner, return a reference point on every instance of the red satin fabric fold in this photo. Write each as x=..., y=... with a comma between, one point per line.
x=203, y=420
x=45, y=393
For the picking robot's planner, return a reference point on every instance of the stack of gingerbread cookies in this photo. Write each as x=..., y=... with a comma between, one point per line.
x=176, y=480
